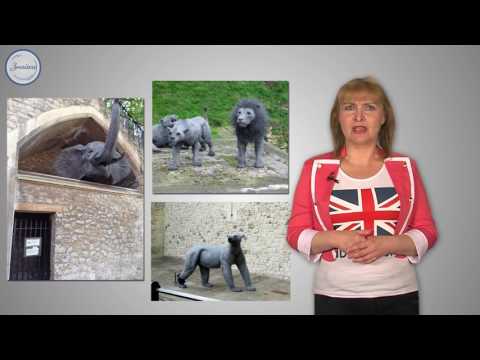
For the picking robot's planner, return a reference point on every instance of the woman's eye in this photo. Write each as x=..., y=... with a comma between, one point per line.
x=348, y=107
x=370, y=107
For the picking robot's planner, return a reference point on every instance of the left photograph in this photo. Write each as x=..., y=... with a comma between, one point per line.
x=75, y=189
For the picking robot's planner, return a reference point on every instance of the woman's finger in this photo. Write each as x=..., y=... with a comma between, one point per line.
x=359, y=253
x=366, y=232
x=359, y=245
x=368, y=257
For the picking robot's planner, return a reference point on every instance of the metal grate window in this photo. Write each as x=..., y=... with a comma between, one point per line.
x=31, y=247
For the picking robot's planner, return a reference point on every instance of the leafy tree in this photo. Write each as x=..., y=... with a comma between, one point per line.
x=133, y=106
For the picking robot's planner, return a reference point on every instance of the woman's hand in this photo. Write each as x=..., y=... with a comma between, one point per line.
x=369, y=249
x=373, y=247
x=343, y=240
x=346, y=240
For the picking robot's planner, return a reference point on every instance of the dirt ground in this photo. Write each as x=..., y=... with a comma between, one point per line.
x=267, y=288
x=219, y=174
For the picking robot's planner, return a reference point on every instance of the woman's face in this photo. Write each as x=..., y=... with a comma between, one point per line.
x=361, y=117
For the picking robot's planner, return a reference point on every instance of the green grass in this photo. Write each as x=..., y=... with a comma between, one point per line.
x=231, y=160
x=214, y=133
x=189, y=98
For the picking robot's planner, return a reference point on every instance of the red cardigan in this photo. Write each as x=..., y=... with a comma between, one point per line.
x=310, y=210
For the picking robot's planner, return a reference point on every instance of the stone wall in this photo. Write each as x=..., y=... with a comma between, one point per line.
x=158, y=229
x=21, y=110
x=264, y=224
x=98, y=234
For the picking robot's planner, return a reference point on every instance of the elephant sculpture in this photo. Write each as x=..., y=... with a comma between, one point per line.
x=97, y=161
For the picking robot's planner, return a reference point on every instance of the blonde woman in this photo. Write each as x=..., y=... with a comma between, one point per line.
x=361, y=211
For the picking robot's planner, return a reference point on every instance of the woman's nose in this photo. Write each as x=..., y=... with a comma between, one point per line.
x=358, y=115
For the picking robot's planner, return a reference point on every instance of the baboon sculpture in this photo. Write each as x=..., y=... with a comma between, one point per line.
x=208, y=257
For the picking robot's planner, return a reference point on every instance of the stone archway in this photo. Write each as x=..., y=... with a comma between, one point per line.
x=41, y=131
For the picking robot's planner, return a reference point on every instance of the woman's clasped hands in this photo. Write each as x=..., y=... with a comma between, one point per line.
x=362, y=246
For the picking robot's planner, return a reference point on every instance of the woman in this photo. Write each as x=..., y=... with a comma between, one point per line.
x=361, y=211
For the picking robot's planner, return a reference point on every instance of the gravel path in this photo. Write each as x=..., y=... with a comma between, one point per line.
x=219, y=174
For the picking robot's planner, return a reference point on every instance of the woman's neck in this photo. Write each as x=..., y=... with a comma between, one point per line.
x=362, y=154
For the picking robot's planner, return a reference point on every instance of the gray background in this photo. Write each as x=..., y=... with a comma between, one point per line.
x=435, y=91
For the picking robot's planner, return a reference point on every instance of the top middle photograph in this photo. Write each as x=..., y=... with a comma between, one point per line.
x=220, y=137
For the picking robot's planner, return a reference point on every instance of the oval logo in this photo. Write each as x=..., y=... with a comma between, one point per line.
x=22, y=67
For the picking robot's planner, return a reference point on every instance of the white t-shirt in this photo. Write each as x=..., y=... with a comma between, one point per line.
x=359, y=204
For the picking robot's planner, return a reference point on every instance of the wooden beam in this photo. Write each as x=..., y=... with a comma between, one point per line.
x=78, y=184
x=39, y=208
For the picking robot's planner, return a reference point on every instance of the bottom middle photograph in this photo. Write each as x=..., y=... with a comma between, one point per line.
x=212, y=251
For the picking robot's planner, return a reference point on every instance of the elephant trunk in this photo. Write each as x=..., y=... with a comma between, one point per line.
x=109, y=147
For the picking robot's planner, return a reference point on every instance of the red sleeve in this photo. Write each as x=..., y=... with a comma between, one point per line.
x=421, y=217
x=301, y=217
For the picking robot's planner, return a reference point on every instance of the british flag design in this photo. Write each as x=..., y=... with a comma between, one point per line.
x=359, y=209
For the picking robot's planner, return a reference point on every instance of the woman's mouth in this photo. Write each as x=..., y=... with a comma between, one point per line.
x=359, y=129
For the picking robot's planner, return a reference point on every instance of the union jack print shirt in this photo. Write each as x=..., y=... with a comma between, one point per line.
x=374, y=208
x=360, y=204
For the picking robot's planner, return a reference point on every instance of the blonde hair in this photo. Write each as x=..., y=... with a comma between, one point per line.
x=371, y=86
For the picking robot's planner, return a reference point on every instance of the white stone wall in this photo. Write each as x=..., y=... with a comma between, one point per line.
x=98, y=235
x=264, y=224
x=21, y=112
x=158, y=229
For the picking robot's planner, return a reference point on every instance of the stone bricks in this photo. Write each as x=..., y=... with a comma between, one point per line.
x=20, y=110
x=98, y=236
